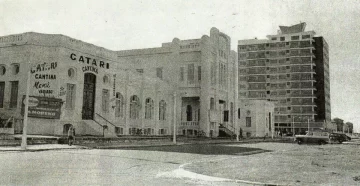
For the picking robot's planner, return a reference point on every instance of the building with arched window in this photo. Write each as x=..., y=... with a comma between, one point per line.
x=203, y=72
x=192, y=84
x=73, y=83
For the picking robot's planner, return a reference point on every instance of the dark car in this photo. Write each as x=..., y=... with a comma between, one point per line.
x=288, y=134
x=339, y=137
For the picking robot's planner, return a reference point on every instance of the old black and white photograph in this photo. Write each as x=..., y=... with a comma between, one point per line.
x=179, y=92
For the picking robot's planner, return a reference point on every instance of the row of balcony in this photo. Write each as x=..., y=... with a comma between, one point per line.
x=278, y=45
x=263, y=94
x=301, y=124
x=296, y=112
x=281, y=61
x=264, y=78
x=276, y=54
x=275, y=87
x=278, y=71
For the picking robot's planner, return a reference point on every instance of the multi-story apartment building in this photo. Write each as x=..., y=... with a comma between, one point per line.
x=291, y=69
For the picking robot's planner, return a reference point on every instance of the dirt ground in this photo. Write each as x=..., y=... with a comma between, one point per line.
x=289, y=164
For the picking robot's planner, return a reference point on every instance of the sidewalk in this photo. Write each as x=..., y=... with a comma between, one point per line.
x=41, y=147
x=352, y=142
x=130, y=144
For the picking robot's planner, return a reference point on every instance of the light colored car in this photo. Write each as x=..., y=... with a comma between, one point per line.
x=318, y=137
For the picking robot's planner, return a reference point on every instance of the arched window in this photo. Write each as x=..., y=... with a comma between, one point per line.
x=2, y=70
x=106, y=79
x=149, y=108
x=162, y=110
x=15, y=69
x=119, y=109
x=71, y=72
x=188, y=113
x=134, y=107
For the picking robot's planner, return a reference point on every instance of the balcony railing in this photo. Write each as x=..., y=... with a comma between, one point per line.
x=189, y=123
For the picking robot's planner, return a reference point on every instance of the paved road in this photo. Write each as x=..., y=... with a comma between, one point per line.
x=109, y=167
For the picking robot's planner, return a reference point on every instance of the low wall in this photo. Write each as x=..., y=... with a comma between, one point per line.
x=6, y=130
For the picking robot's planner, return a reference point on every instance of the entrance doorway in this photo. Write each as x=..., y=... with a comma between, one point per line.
x=89, y=96
x=66, y=128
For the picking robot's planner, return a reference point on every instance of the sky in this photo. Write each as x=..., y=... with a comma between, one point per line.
x=132, y=24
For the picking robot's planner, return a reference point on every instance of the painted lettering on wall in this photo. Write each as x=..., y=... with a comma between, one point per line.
x=89, y=61
x=90, y=68
x=114, y=83
x=62, y=91
x=43, y=67
x=44, y=82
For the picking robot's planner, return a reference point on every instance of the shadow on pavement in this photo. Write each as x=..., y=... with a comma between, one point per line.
x=205, y=149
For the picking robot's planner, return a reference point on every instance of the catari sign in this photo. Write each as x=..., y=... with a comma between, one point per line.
x=43, y=107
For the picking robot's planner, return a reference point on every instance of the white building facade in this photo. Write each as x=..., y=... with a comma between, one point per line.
x=203, y=72
x=192, y=84
x=73, y=83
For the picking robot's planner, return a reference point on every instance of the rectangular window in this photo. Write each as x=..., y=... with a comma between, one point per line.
x=2, y=90
x=70, y=96
x=119, y=130
x=231, y=112
x=199, y=73
x=294, y=37
x=140, y=71
x=190, y=74
x=212, y=104
x=14, y=94
x=181, y=73
x=105, y=100
x=248, y=121
x=159, y=73
x=305, y=36
x=282, y=38
x=226, y=116
x=213, y=73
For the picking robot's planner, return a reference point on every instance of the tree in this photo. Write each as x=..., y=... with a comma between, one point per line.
x=339, y=124
x=349, y=126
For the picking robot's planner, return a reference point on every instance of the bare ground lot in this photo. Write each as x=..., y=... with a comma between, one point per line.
x=289, y=164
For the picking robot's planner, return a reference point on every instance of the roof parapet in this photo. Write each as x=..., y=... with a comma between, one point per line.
x=293, y=28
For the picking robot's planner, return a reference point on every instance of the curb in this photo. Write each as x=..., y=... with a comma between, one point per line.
x=122, y=146
x=37, y=150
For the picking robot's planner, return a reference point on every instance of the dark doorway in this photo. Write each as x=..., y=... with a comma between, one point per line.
x=188, y=113
x=66, y=128
x=89, y=96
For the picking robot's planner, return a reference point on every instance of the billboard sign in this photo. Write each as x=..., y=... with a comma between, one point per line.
x=43, y=107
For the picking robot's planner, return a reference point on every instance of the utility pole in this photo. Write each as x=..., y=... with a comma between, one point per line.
x=26, y=110
x=293, y=127
x=174, y=118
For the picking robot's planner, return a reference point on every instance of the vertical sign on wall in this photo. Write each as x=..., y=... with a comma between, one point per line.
x=114, y=76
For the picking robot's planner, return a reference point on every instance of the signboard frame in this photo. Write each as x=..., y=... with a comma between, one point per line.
x=46, y=107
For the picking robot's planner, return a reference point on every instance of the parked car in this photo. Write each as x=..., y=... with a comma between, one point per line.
x=313, y=137
x=288, y=134
x=339, y=137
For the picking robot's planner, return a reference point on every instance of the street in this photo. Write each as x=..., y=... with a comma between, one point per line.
x=106, y=167
x=196, y=164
